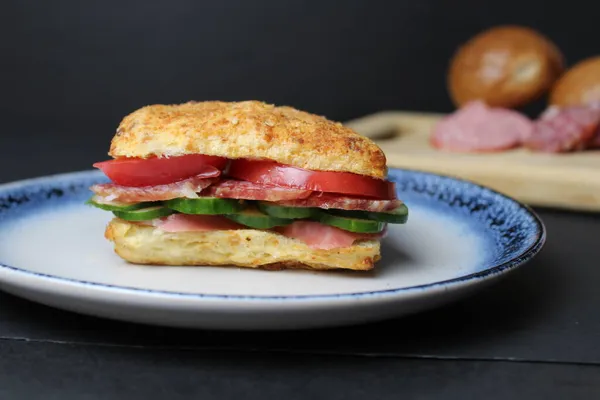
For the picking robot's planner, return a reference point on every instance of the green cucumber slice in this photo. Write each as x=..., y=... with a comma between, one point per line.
x=144, y=214
x=350, y=224
x=278, y=211
x=205, y=205
x=397, y=216
x=253, y=218
x=117, y=206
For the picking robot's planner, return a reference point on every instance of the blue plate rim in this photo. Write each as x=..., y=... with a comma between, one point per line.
x=490, y=272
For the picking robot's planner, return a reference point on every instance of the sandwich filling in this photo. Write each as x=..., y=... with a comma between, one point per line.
x=195, y=193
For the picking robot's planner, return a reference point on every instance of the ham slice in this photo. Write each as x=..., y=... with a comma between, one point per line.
x=330, y=200
x=314, y=234
x=560, y=130
x=126, y=194
x=478, y=128
x=234, y=189
x=324, y=237
x=195, y=223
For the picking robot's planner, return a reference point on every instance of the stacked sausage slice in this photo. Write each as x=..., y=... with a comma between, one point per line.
x=478, y=128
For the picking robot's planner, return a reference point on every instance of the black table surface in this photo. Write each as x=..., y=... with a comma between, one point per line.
x=532, y=335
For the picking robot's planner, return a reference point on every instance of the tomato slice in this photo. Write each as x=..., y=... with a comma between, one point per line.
x=272, y=173
x=234, y=189
x=154, y=171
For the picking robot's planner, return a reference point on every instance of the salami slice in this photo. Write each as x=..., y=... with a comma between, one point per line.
x=479, y=128
x=127, y=194
x=330, y=200
x=234, y=189
x=595, y=141
x=565, y=130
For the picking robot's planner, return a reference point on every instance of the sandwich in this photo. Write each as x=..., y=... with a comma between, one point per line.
x=245, y=184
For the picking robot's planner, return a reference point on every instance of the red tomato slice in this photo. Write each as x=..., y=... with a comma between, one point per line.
x=159, y=171
x=272, y=173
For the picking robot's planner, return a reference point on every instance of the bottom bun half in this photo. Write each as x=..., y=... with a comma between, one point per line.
x=143, y=244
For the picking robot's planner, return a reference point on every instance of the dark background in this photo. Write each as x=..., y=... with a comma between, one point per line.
x=70, y=70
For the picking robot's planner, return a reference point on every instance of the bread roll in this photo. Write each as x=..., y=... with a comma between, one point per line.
x=580, y=85
x=505, y=66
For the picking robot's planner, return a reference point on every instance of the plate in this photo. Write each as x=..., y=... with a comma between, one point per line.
x=459, y=238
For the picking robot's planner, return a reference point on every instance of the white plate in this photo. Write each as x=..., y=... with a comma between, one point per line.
x=459, y=237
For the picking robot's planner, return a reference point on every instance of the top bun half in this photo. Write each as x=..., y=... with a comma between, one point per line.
x=247, y=129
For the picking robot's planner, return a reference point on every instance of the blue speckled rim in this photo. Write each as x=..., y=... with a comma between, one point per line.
x=496, y=270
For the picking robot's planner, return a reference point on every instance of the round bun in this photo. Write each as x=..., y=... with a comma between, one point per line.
x=580, y=85
x=247, y=129
x=505, y=66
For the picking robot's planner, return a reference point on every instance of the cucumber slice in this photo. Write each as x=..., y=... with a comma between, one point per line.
x=397, y=216
x=117, y=206
x=277, y=211
x=205, y=205
x=350, y=224
x=144, y=214
x=253, y=218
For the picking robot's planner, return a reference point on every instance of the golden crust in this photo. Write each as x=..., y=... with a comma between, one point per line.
x=247, y=129
x=505, y=66
x=580, y=85
x=249, y=248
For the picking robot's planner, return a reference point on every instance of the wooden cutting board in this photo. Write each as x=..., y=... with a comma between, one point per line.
x=568, y=181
